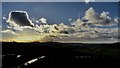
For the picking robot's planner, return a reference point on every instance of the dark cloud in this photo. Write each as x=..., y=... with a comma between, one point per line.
x=21, y=18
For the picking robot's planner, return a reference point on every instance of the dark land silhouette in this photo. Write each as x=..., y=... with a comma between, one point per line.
x=62, y=55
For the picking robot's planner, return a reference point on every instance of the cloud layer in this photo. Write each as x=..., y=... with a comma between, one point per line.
x=86, y=28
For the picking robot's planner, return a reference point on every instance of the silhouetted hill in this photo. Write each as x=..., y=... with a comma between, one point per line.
x=60, y=54
x=55, y=48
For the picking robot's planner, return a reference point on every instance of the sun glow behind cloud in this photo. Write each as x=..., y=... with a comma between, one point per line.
x=30, y=38
x=33, y=38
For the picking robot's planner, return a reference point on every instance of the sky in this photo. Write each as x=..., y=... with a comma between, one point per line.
x=63, y=19
x=58, y=12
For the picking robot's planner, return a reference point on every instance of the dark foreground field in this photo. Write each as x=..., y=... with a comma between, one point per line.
x=58, y=55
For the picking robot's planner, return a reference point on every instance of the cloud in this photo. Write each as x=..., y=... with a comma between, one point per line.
x=20, y=18
x=54, y=28
x=116, y=19
x=99, y=18
x=70, y=19
x=78, y=23
x=59, y=28
x=9, y=32
x=91, y=15
x=43, y=20
x=4, y=18
x=87, y=1
x=104, y=15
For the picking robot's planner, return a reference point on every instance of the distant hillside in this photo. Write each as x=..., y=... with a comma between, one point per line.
x=60, y=48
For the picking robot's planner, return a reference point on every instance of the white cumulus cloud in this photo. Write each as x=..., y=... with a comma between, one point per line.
x=43, y=20
x=87, y=1
x=99, y=18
